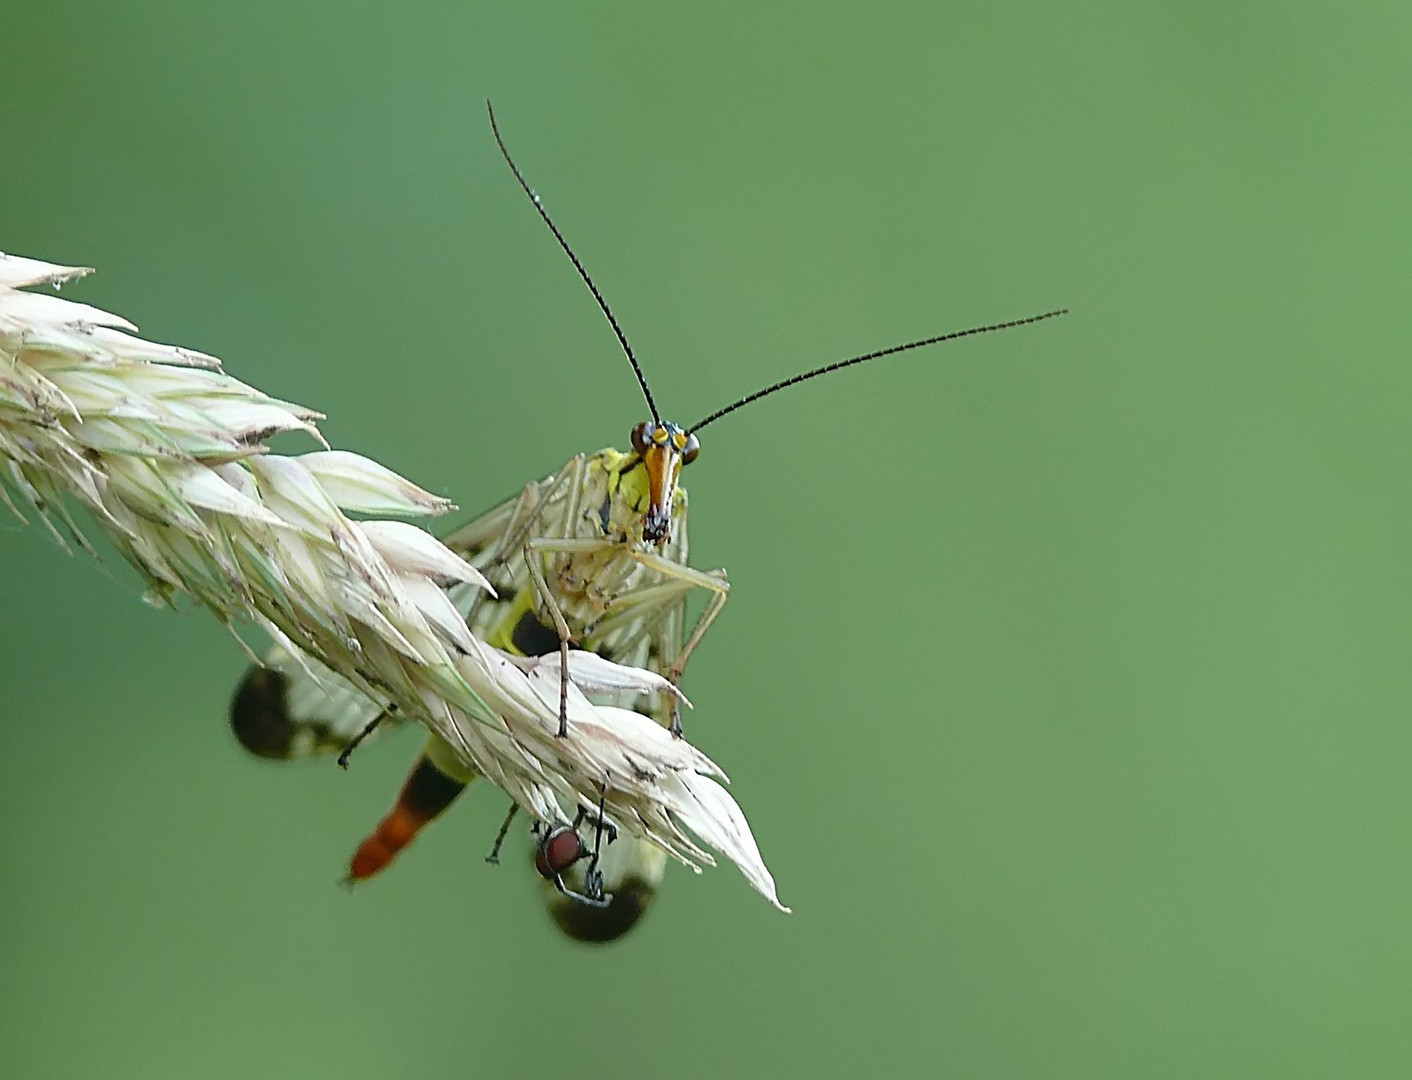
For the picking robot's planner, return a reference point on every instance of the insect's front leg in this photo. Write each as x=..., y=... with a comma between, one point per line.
x=536, y=572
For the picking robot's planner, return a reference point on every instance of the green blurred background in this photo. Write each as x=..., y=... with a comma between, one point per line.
x=1065, y=677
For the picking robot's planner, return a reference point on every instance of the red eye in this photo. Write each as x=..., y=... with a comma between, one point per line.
x=689, y=452
x=641, y=437
x=558, y=850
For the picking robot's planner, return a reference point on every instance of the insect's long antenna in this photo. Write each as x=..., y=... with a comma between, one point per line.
x=871, y=356
x=622, y=338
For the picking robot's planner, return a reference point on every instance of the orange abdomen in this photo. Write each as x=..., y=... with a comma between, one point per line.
x=425, y=794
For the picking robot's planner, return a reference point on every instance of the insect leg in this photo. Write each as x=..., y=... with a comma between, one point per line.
x=714, y=582
x=593, y=877
x=713, y=608
x=542, y=587
x=494, y=856
x=591, y=901
x=367, y=729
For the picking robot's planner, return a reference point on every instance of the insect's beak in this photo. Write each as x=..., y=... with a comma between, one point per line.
x=663, y=467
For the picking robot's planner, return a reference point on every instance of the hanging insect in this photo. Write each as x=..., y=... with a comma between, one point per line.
x=594, y=556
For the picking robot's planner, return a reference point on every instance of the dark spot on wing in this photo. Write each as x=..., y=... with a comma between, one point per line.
x=631, y=899
x=259, y=717
x=604, y=517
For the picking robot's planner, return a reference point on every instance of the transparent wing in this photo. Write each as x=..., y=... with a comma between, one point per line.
x=640, y=623
x=288, y=708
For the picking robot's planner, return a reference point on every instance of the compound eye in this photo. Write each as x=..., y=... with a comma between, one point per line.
x=690, y=450
x=558, y=851
x=642, y=436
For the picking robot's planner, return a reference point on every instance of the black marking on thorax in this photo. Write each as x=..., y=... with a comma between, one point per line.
x=531, y=637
